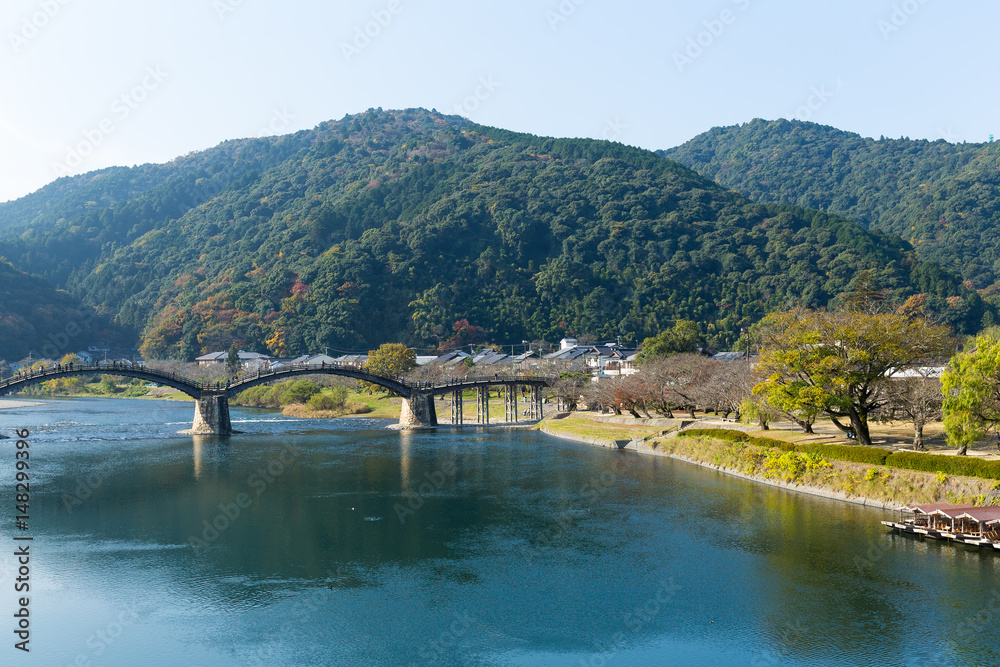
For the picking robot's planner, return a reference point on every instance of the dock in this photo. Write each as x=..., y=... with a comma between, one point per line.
x=965, y=524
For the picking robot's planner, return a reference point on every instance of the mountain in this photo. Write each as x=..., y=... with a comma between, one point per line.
x=943, y=198
x=36, y=318
x=423, y=228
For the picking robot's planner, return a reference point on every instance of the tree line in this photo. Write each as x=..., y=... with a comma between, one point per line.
x=854, y=366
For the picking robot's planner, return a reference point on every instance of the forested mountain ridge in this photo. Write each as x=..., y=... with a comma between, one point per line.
x=941, y=197
x=37, y=319
x=417, y=227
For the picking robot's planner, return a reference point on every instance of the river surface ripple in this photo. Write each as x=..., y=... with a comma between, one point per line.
x=307, y=542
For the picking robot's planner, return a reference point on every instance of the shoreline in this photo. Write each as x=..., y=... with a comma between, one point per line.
x=8, y=404
x=640, y=447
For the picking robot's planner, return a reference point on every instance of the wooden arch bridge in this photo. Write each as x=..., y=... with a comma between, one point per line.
x=211, y=412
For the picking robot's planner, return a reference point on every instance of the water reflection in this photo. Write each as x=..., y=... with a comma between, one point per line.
x=285, y=546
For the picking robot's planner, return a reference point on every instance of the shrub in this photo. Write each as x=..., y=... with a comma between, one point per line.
x=328, y=401
x=853, y=453
x=718, y=433
x=300, y=392
x=874, y=456
x=947, y=465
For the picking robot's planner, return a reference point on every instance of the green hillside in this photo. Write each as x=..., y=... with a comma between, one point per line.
x=943, y=198
x=413, y=226
x=38, y=319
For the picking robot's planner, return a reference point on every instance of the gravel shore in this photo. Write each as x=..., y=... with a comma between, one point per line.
x=10, y=405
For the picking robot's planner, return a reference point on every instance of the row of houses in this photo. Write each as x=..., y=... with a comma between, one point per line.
x=600, y=360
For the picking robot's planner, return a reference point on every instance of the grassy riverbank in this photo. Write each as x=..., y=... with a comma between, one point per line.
x=810, y=470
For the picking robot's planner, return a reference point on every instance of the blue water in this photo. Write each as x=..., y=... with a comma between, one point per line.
x=345, y=543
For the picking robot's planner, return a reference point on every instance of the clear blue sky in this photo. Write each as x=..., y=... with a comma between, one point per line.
x=194, y=73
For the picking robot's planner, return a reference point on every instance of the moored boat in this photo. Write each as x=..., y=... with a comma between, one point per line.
x=968, y=524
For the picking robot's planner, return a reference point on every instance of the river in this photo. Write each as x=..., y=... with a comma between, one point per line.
x=341, y=542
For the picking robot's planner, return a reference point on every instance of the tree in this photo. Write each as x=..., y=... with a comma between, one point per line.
x=680, y=381
x=917, y=397
x=568, y=388
x=685, y=336
x=839, y=363
x=971, y=385
x=391, y=359
x=277, y=344
x=864, y=296
x=301, y=391
x=729, y=387
x=233, y=361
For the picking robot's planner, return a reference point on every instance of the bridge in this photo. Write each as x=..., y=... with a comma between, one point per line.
x=211, y=412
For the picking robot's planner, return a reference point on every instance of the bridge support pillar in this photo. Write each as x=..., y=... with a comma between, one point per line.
x=418, y=411
x=211, y=416
x=483, y=409
x=456, y=408
x=510, y=403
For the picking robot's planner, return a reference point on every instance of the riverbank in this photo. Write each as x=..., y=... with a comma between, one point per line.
x=873, y=486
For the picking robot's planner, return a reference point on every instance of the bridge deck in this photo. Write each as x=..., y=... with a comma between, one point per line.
x=195, y=388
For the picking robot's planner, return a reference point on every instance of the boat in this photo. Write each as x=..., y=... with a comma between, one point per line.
x=967, y=524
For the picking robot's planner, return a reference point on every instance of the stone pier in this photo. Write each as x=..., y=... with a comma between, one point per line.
x=418, y=411
x=211, y=416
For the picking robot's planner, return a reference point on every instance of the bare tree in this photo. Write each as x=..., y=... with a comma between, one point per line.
x=569, y=388
x=728, y=387
x=918, y=398
x=679, y=381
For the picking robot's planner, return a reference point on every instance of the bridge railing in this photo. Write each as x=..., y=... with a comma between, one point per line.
x=286, y=369
x=109, y=368
x=480, y=380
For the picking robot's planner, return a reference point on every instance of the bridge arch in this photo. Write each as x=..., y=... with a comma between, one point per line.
x=212, y=398
x=394, y=385
x=19, y=382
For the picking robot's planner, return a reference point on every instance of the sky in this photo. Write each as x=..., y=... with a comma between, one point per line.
x=96, y=83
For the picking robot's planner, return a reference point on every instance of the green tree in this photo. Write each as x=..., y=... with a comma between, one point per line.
x=391, y=359
x=685, y=336
x=233, y=361
x=971, y=386
x=108, y=385
x=839, y=363
x=301, y=391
